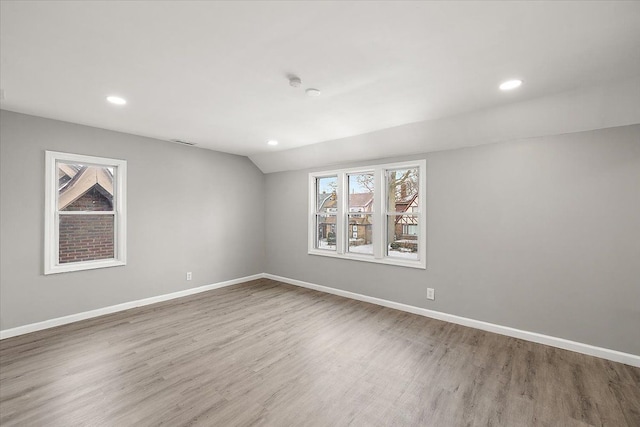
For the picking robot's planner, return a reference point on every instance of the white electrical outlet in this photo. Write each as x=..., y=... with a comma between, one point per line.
x=188, y=275
x=431, y=293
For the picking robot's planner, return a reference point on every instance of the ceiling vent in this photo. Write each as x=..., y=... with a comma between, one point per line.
x=180, y=141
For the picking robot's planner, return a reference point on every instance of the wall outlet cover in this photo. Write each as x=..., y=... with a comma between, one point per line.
x=431, y=293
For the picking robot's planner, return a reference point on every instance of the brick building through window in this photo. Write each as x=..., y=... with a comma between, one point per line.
x=85, y=189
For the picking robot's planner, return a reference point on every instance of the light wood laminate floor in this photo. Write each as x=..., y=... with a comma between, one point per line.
x=266, y=353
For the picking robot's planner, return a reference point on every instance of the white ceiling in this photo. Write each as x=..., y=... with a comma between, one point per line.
x=214, y=73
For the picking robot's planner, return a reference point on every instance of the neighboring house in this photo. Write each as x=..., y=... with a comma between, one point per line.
x=360, y=230
x=360, y=227
x=407, y=225
x=84, y=237
x=327, y=223
x=359, y=222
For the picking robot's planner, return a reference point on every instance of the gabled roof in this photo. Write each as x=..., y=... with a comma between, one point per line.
x=355, y=200
x=69, y=170
x=82, y=181
x=327, y=201
x=360, y=199
x=404, y=205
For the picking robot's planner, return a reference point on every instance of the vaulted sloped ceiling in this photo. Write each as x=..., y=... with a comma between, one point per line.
x=215, y=73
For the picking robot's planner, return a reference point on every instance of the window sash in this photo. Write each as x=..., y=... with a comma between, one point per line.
x=114, y=202
x=330, y=229
x=86, y=212
x=317, y=191
x=355, y=231
x=348, y=186
x=113, y=247
x=392, y=219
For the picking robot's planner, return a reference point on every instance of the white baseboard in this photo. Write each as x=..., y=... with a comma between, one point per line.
x=604, y=353
x=33, y=327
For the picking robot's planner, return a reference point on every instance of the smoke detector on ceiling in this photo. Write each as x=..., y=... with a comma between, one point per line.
x=295, y=81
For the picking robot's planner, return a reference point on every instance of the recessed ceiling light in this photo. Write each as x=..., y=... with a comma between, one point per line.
x=116, y=100
x=511, y=84
x=313, y=92
x=272, y=142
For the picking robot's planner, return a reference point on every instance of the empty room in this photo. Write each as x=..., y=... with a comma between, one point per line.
x=320, y=213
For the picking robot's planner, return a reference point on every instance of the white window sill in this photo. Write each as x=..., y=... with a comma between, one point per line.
x=369, y=258
x=85, y=265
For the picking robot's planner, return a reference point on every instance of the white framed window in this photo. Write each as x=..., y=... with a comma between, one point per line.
x=324, y=212
x=373, y=213
x=85, y=212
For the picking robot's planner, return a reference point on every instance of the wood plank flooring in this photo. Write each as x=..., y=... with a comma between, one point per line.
x=268, y=354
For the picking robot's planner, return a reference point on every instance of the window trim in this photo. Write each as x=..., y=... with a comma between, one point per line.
x=51, y=264
x=379, y=215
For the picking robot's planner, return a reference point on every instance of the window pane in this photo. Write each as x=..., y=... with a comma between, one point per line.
x=85, y=188
x=326, y=232
x=402, y=185
x=361, y=192
x=326, y=200
x=85, y=238
x=360, y=233
x=402, y=236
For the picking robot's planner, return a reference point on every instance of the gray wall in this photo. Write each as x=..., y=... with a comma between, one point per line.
x=541, y=235
x=189, y=209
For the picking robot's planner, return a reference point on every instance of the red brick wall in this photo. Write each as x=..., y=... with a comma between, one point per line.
x=86, y=237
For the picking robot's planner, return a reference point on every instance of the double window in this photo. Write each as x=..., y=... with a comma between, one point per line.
x=373, y=214
x=85, y=217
